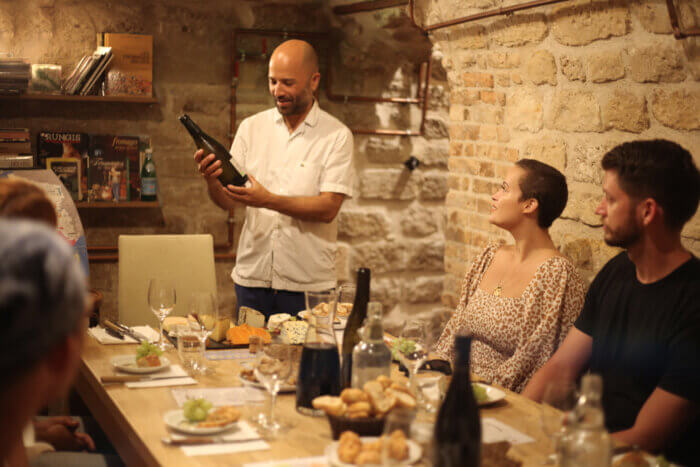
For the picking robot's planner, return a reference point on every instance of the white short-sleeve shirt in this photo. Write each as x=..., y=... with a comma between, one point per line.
x=276, y=250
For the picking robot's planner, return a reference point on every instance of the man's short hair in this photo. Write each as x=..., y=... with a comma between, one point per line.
x=661, y=170
x=23, y=199
x=42, y=295
x=545, y=184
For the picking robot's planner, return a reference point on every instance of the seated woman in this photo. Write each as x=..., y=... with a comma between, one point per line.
x=518, y=301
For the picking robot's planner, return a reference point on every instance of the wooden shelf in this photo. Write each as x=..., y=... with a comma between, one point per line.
x=118, y=205
x=71, y=98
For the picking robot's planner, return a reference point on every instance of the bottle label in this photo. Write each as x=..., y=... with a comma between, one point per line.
x=148, y=187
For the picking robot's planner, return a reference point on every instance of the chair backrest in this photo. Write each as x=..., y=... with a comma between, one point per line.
x=186, y=260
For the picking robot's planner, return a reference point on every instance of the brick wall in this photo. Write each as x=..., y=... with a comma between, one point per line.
x=560, y=84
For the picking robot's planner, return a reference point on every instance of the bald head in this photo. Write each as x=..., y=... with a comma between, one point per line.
x=293, y=77
x=297, y=54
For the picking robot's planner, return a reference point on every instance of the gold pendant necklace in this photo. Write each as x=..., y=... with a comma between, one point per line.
x=497, y=291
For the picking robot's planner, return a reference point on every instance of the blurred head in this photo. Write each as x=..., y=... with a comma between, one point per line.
x=644, y=181
x=530, y=189
x=293, y=77
x=42, y=309
x=24, y=200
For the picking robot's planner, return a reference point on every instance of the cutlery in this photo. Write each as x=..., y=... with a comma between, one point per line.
x=114, y=333
x=191, y=441
x=120, y=328
x=135, y=378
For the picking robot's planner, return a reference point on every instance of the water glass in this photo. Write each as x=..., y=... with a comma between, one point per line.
x=190, y=348
x=558, y=400
x=397, y=420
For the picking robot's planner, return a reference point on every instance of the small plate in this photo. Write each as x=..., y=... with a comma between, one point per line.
x=651, y=460
x=176, y=420
x=331, y=452
x=259, y=385
x=127, y=364
x=494, y=395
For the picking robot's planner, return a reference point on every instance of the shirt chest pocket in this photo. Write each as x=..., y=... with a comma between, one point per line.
x=304, y=179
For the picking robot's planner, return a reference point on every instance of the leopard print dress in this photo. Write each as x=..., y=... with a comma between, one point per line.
x=513, y=337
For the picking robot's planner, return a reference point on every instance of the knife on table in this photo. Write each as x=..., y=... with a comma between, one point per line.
x=192, y=441
x=114, y=333
x=135, y=378
x=121, y=329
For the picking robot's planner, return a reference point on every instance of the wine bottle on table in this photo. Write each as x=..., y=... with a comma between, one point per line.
x=148, y=178
x=351, y=337
x=458, y=428
x=231, y=175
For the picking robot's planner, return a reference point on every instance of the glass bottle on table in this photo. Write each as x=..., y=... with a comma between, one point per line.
x=588, y=443
x=371, y=357
x=319, y=368
x=357, y=317
x=458, y=427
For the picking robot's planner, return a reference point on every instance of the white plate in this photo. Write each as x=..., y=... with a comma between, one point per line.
x=176, y=420
x=331, y=452
x=259, y=385
x=651, y=460
x=127, y=364
x=494, y=395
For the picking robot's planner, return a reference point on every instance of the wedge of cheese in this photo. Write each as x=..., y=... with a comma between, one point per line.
x=170, y=322
x=293, y=332
x=276, y=321
x=220, y=328
x=251, y=317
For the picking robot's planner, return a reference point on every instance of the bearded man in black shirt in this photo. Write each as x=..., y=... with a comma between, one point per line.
x=640, y=324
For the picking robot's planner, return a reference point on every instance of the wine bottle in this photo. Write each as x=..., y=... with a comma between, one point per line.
x=357, y=316
x=148, y=177
x=231, y=175
x=458, y=428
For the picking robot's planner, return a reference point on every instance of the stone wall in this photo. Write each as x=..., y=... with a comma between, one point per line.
x=560, y=84
x=393, y=225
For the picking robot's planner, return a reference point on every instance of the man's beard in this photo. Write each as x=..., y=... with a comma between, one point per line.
x=297, y=107
x=626, y=236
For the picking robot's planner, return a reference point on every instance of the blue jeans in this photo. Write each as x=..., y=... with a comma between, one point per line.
x=270, y=301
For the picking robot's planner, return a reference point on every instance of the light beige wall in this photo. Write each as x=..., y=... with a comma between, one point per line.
x=560, y=84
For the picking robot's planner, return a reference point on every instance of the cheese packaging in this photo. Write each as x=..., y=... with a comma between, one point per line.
x=277, y=320
x=251, y=317
x=220, y=329
x=293, y=332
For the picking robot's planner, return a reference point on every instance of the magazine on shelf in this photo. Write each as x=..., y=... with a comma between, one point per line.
x=67, y=169
x=58, y=143
x=104, y=61
x=110, y=175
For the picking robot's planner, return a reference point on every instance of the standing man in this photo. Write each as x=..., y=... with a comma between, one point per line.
x=640, y=324
x=299, y=162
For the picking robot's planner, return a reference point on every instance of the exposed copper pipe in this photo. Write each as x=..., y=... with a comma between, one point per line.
x=678, y=33
x=367, y=6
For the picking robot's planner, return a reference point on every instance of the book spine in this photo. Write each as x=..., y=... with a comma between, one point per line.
x=17, y=161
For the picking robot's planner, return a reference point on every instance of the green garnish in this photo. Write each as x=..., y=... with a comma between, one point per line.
x=146, y=349
x=402, y=345
x=479, y=393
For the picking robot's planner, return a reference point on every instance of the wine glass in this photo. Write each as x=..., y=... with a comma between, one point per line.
x=161, y=299
x=206, y=314
x=413, y=350
x=558, y=401
x=272, y=368
x=399, y=424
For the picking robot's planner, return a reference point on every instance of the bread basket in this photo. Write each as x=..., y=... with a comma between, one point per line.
x=367, y=426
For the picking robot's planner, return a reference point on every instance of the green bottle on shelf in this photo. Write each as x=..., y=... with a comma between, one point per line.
x=148, y=178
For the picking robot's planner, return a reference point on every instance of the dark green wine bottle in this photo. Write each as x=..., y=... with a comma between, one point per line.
x=231, y=175
x=357, y=317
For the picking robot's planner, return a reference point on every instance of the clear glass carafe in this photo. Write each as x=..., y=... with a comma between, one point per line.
x=319, y=369
x=371, y=357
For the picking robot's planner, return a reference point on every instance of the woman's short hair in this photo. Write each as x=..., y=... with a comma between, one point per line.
x=25, y=200
x=545, y=184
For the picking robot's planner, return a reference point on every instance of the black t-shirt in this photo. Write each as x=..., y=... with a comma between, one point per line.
x=644, y=336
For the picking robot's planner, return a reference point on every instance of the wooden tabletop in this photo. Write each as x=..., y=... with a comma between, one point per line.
x=133, y=418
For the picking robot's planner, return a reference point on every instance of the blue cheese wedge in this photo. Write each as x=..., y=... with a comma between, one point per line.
x=293, y=332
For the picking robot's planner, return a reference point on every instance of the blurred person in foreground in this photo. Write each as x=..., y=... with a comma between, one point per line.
x=299, y=161
x=518, y=301
x=43, y=310
x=640, y=324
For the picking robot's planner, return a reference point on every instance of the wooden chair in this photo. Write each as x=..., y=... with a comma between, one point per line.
x=186, y=260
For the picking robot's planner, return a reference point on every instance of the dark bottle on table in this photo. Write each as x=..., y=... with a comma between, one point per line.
x=458, y=428
x=231, y=175
x=351, y=337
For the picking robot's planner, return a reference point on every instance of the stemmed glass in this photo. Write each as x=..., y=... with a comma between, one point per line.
x=161, y=299
x=413, y=356
x=558, y=401
x=272, y=368
x=203, y=308
x=398, y=420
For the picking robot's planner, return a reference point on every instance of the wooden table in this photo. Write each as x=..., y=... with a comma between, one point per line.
x=133, y=418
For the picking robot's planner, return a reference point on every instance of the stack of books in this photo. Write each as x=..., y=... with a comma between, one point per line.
x=15, y=149
x=88, y=73
x=15, y=74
